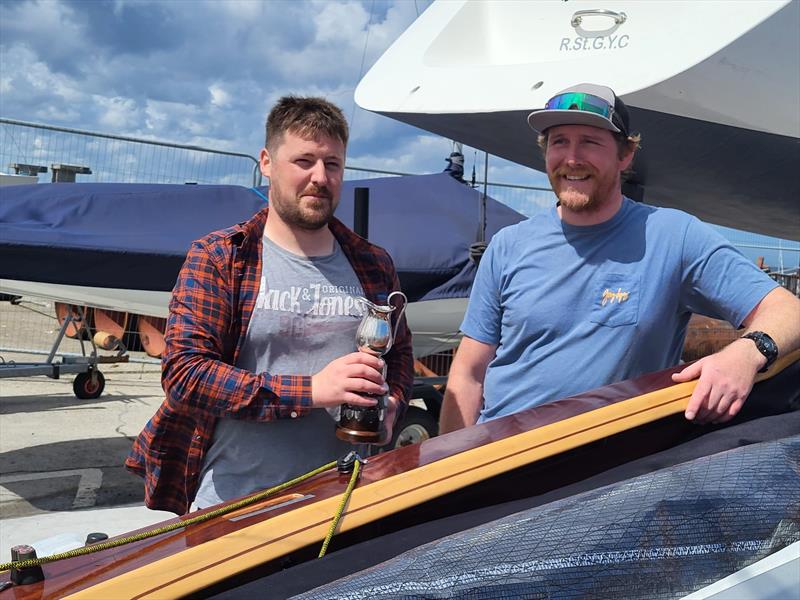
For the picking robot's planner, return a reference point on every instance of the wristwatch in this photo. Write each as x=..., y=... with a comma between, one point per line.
x=766, y=345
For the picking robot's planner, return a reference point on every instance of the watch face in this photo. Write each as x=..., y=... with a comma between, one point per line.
x=766, y=345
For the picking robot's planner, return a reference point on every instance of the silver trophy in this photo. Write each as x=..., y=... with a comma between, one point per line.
x=375, y=336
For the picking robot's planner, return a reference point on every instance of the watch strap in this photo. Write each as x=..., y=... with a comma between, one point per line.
x=765, y=345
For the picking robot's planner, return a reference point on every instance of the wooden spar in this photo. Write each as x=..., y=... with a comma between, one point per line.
x=189, y=560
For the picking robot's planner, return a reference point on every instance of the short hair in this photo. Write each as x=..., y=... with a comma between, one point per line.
x=625, y=144
x=305, y=116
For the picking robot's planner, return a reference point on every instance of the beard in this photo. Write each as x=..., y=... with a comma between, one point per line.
x=580, y=197
x=302, y=211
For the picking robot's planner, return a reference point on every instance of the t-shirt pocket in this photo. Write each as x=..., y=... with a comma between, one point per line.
x=616, y=300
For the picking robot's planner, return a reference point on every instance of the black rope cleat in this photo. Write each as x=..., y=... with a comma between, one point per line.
x=25, y=575
x=96, y=537
x=348, y=462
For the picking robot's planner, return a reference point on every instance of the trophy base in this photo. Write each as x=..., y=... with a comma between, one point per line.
x=361, y=425
x=357, y=436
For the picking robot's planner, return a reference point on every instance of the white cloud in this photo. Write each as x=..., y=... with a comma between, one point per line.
x=43, y=18
x=175, y=117
x=219, y=97
x=44, y=28
x=340, y=23
x=36, y=92
x=398, y=18
x=246, y=11
x=116, y=114
x=231, y=60
x=503, y=170
x=209, y=74
x=365, y=125
x=420, y=154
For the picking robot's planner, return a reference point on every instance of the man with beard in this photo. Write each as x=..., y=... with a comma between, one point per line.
x=600, y=288
x=260, y=343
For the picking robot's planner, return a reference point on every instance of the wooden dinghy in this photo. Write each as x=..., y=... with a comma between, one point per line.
x=528, y=453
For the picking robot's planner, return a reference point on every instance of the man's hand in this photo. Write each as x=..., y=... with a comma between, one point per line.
x=725, y=380
x=389, y=417
x=346, y=379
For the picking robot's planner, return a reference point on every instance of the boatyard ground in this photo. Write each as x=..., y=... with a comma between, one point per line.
x=61, y=457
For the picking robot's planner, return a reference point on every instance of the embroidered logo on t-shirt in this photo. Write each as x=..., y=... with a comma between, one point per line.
x=610, y=297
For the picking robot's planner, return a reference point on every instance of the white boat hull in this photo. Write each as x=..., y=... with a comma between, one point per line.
x=714, y=87
x=434, y=323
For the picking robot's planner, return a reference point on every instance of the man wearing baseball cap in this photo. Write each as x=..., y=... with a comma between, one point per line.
x=600, y=288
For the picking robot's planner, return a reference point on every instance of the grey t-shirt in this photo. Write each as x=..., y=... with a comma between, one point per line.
x=305, y=316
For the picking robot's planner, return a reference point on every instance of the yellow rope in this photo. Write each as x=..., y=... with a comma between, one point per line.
x=24, y=564
x=340, y=510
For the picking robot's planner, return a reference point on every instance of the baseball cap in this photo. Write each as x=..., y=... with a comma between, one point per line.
x=583, y=104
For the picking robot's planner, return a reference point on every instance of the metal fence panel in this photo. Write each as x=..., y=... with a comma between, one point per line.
x=119, y=159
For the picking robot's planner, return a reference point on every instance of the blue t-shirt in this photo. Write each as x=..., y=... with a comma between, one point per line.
x=573, y=308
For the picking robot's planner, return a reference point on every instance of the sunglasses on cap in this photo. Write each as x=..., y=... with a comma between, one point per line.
x=586, y=103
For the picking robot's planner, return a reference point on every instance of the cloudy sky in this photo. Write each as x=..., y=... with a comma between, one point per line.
x=205, y=72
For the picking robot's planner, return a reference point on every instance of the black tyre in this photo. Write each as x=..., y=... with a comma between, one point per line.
x=417, y=426
x=85, y=388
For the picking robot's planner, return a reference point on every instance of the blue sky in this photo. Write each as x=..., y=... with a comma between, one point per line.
x=205, y=72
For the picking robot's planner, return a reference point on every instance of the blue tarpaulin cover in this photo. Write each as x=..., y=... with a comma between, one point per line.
x=135, y=236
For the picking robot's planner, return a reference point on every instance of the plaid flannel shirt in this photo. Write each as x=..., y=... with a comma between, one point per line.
x=210, y=310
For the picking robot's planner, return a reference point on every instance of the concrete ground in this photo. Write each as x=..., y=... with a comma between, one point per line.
x=60, y=457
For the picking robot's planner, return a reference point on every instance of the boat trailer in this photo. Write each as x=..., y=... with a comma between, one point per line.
x=89, y=382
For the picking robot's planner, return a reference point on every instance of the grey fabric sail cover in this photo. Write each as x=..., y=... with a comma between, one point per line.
x=661, y=535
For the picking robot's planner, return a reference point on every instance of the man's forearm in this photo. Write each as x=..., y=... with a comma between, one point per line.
x=461, y=407
x=222, y=390
x=463, y=398
x=778, y=315
x=197, y=371
x=725, y=378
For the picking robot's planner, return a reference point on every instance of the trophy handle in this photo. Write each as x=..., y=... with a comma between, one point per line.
x=400, y=314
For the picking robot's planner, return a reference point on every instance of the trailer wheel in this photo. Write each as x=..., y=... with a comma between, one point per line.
x=417, y=426
x=85, y=388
